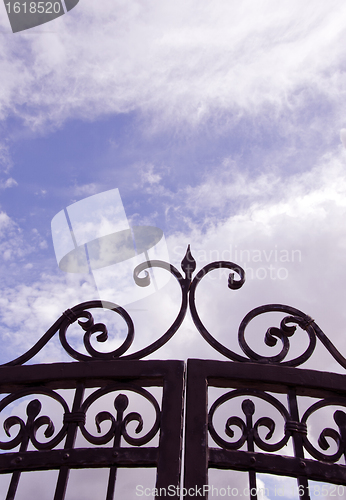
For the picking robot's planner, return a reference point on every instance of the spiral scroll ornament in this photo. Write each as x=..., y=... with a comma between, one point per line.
x=249, y=430
x=339, y=437
x=295, y=321
x=27, y=431
x=118, y=424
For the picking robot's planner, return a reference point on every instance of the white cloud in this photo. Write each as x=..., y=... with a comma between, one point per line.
x=5, y=222
x=11, y=240
x=17, y=248
x=86, y=190
x=27, y=311
x=186, y=62
x=291, y=239
x=5, y=158
x=343, y=136
x=148, y=175
x=10, y=182
x=182, y=61
x=226, y=191
x=305, y=215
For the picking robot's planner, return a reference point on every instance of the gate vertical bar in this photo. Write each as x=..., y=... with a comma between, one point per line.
x=12, y=489
x=196, y=430
x=69, y=444
x=249, y=409
x=32, y=411
x=170, y=443
x=303, y=484
x=120, y=404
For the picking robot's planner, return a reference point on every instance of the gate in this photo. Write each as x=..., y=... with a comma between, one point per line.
x=224, y=432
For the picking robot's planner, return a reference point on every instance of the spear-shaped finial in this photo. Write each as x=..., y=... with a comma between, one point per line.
x=188, y=264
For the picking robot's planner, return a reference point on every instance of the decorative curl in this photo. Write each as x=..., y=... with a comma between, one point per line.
x=119, y=423
x=234, y=285
x=91, y=328
x=287, y=328
x=283, y=333
x=28, y=430
x=188, y=264
x=337, y=437
x=8, y=424
x=248, y=408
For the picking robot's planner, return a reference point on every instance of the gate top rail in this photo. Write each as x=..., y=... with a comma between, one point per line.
x=286, y=329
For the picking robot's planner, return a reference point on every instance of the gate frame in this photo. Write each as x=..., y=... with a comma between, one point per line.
x=96, y=368
x=169, y=374
x=199, y=457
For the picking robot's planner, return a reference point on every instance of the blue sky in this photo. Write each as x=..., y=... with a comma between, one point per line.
x=222, y=123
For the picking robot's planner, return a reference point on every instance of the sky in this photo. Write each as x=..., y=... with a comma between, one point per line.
x=220, y=123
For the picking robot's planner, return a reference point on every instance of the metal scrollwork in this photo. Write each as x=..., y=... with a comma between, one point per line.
x=249, y=430
x=28, y=430
x=188, y=265
x=119, y=423
x=283, y=333
x=234, y=285
x=339, y=438
x=86, y=321
x=91, y=328
x=287, y=328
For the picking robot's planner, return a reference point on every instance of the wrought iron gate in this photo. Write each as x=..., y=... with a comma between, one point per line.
x=250, y=385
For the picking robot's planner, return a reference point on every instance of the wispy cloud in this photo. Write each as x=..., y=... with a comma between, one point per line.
x=230, y=142
x=180, y=63
x=5, y=158
x=11, y=241
x=10, y=182
x=290, y=240
x=86, y=189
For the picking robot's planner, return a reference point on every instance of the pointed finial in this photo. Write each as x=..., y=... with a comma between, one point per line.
x=188, y=264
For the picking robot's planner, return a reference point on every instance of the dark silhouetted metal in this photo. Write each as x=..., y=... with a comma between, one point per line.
x=258, y=423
